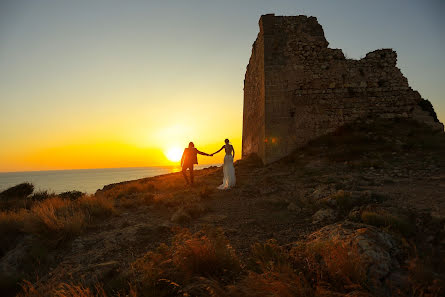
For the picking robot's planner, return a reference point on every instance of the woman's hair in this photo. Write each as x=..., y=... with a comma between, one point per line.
x=191, y=144
x=226, y=140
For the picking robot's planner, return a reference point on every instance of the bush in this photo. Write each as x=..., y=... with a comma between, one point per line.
x=11, y=222
x=19, y=191
x=396, y=223
x=16, y=197
x=169, y=269
x=55, y=218
x=272, y=284
x=344, y=200
x=270, y=256
x=127, y=189
x=72, y=195
x=96, y=206
x=204, y=254
x=68, y=290
x=41, y=195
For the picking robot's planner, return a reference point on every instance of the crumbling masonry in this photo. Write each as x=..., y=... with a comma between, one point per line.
x=296, y=88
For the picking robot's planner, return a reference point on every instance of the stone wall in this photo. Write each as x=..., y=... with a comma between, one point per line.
x=296, y=88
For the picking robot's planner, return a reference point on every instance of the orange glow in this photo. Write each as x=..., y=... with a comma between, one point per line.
x=174, y=154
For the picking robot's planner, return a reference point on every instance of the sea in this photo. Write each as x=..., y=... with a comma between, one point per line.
x=84, y=180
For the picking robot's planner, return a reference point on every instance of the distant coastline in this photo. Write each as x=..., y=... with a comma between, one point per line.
x=84, y=180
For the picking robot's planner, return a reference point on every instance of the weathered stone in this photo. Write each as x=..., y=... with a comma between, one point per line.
x=377, y=249
x=180, y=216
x=293, y=207
x=296, y=88
x=327, y=215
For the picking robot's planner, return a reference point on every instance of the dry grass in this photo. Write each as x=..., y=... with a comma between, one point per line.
x=68, y=290
x=272, y=284
x=343, y=265
x=205, y=264
x=169, y=269
x=395, y=223
x=56, y=218
x=11, y=222
x=422, y=279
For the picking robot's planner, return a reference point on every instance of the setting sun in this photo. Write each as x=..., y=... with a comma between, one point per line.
x=174, y=154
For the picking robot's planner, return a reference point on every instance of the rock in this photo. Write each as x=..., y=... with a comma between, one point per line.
x=377, y=250
x=213, y=218
x=293, y=207
x=180, y=216
x=104, y=264
x=322, y=191
x=324, y=215
x=355, y=214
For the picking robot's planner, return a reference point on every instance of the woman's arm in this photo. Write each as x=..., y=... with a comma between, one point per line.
x=218, y=150
x=233, y=152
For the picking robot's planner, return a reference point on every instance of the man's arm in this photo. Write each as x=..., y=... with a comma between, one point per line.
x=202, y=153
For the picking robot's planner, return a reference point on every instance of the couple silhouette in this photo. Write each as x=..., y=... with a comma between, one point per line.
x=190, y=158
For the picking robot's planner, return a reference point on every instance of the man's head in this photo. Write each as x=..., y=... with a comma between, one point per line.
x=191, y=144
x=226, y=141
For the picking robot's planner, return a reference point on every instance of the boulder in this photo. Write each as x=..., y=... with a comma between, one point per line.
x=377, y=250
x=326, y=215
x=180, y=216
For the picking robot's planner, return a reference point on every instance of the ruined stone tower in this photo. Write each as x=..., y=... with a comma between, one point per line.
x=296, y=88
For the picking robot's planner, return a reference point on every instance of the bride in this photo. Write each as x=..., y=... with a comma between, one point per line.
x=229, y=179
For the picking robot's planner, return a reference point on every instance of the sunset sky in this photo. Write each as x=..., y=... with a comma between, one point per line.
x=107, y=83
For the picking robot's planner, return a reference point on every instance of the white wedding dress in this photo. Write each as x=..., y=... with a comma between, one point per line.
x=229, y=179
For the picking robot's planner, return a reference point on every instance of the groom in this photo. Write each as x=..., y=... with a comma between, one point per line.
x=189, y=158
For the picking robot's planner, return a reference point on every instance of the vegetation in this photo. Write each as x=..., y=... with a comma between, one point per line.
x=189, y=262
x=395, y=223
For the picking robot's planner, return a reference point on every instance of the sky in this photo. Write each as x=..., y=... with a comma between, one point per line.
x=107, y=83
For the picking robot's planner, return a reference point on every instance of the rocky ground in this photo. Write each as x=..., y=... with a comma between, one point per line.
x=377, y=192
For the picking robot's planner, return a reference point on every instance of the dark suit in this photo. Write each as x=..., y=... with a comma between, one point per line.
x=189, y=158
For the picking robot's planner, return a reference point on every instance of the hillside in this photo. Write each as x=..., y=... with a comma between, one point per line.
x=359, y=212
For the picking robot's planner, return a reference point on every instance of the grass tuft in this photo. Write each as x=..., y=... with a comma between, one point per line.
x=395, y=223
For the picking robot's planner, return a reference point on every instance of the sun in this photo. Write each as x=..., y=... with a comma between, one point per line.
x=174, y=154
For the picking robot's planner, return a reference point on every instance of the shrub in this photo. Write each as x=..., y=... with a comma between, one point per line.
x=19, y=191
x=272, y=284
x=396, y=223
x=202, y=255
x=55, y=218
x=423, y=280
x=270, y=256
x=205, y=254
x=329, y=262
x=68, y=290
x=41, y=195
x=126, y=189
x=135, y=200
x=16, y=197
x=344, y=200
x=72, y=195
x=11, y=228
x=11, y=222
x=96, y=206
